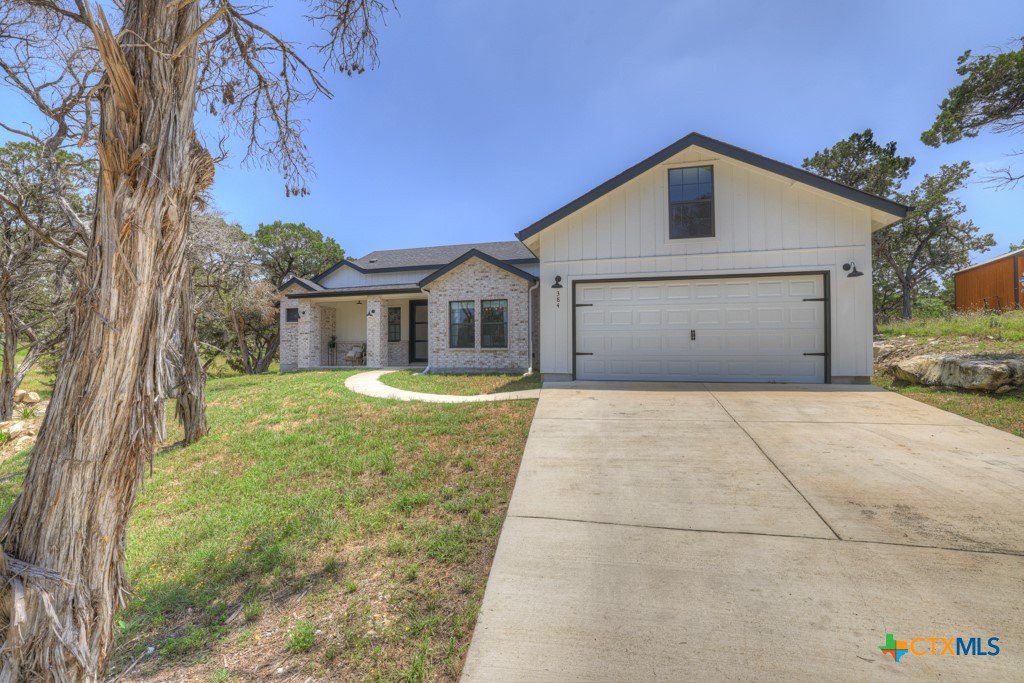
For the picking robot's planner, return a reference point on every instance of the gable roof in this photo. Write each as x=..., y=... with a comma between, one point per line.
x=726, y=150
x=308, y=285
x=429, y=258
x=486, y=258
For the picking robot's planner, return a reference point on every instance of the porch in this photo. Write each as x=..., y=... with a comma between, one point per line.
x=389, y=331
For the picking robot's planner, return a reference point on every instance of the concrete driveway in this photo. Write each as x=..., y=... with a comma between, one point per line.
x=671, y=532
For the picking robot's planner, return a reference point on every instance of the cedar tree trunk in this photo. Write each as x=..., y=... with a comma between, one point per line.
x=190, y=407
x=104, y=418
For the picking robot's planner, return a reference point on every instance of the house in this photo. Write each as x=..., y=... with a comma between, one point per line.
x=993, y=285
x=703, y=262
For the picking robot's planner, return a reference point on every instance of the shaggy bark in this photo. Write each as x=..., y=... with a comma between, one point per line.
x=105, y=415
x=190, y=407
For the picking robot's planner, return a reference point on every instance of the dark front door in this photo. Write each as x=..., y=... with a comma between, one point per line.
x=418, y=331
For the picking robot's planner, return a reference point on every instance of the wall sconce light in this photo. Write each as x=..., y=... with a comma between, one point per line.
x=852, y=267
x=558, y=282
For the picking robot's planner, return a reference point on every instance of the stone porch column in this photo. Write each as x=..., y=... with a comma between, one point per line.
x=376, y=333
x=308, y=334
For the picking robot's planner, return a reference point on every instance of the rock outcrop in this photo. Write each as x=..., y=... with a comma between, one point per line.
x=980, y=374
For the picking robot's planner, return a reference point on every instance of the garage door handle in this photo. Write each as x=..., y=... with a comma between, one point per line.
x=581, y=353
x=693, y=335
x=815, y=354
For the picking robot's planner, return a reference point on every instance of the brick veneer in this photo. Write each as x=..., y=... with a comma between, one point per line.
x=476, y=280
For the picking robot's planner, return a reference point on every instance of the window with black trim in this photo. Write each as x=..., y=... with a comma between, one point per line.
x=494, y=323
x=691, y=202
x=461, y=324
x=394, y=324
x=291, y=315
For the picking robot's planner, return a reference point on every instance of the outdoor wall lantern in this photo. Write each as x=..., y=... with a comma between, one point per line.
x=558, y=282
x=852, y=267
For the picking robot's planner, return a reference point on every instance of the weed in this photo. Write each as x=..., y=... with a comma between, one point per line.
x=350, y=586
x=411, y=572
x=302, y=637
x=252, y=608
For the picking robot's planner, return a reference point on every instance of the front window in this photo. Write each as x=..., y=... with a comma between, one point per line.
x=291, y=315
x=691, y=202
x=394, y=324
x=461, y=320
x=494, y=324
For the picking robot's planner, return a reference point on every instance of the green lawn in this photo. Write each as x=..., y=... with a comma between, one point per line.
x=330, y=534
x=1008, y=327
x=460, y=385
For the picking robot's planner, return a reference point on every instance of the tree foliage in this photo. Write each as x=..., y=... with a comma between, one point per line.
x=37, y=265
x=913, y=256
x=990, y=95
x=933, y=240
x=284, y=249
x=860, y=162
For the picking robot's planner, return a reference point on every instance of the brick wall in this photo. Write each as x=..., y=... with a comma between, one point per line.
x=476, y=280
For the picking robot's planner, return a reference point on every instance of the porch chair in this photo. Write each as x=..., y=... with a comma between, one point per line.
x=354, y=356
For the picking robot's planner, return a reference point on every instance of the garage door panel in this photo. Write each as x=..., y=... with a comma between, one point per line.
x=745, y=330
x=651, y=316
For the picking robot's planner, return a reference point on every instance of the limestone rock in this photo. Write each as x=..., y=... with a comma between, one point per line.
x=18, y=429
x=982, y=374
x=880, y=349
x=30, y=398
x=19, y=395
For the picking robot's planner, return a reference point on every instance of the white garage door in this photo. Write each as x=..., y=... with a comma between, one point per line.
x=756, y=329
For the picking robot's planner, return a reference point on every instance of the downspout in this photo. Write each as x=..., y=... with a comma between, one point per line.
x=426, y=370
x=529, y=324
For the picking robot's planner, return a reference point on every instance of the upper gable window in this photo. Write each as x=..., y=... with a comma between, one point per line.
x=691, y=202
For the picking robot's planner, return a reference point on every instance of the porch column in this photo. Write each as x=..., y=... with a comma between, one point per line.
x=308, y=334
x=376, y=333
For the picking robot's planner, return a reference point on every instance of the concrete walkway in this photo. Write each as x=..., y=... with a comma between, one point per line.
x=369, y=384
x=687, y=532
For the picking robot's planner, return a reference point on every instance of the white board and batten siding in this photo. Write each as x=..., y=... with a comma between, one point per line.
x=765, y=224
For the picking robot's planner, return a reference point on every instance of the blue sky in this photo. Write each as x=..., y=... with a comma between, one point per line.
x=485, y=116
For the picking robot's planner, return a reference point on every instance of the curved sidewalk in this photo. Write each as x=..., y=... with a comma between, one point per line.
x=369, y=384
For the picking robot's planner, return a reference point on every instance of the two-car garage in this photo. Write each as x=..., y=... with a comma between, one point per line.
x=770, y=328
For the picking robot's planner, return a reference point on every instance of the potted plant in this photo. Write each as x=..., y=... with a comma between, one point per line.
x=333, y=343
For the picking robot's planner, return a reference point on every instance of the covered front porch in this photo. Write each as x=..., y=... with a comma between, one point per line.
x=376, y=331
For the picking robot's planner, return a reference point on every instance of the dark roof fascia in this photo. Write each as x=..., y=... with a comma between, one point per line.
x=486, y=258
x=341, y=292
x=739, y=154
x=399, y=269
x=296, y=281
